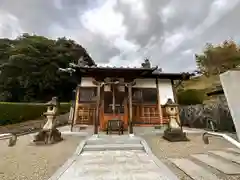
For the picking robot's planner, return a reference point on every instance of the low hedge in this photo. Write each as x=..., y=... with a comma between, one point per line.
x=11, y=113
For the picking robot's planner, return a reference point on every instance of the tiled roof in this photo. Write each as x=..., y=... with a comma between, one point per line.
x=114, y=67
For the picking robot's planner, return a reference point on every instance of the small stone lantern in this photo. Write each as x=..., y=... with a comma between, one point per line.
x=49, y=132
x=174, y=131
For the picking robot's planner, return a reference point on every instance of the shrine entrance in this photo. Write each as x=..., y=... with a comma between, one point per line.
x=114, y=105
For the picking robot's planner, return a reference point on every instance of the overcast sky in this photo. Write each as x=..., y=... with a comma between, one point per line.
x=124, y=32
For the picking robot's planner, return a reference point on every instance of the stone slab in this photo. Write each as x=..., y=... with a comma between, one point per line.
x=109, y=141
x=114, y=165
x=225, y=167
x=193, y=170
x=104, y=147
x=235, y=150
x=231, y=87
x=226, y=155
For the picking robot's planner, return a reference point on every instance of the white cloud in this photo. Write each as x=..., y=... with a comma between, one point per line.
x=124, y=32
x=124, y=45
x=187, y=52
x=219, y=8
x=58, y=4
x=104, y=20
x=9, y=26
x=220, y=4
x=137, y=8
x=119, y=61
x=172, y=41
x=167, y=12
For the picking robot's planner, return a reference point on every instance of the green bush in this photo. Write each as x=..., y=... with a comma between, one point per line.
x=11, y=113
x=190, y=97
x=64, y=108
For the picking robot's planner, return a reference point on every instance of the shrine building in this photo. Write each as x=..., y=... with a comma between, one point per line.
x=134, y=95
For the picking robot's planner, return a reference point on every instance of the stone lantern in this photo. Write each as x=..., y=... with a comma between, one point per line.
x=49, y=133
x=174, y=131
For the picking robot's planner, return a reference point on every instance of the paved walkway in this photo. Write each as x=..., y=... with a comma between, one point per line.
x=211, y=165
x=128, y=158
x=101, y=159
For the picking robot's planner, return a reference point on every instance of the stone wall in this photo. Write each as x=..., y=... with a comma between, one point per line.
x=198, y=116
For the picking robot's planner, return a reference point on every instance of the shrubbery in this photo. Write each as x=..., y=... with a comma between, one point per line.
x=190, y=97
x=11, y=113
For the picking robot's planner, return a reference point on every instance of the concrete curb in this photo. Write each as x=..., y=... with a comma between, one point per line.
x=69, y=162
x=163, y=168
x=75, y=133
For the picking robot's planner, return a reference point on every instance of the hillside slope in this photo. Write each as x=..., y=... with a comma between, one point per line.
x=203, y=84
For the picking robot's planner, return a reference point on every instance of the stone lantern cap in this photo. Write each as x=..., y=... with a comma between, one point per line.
x=170, y=103
x=53, y=102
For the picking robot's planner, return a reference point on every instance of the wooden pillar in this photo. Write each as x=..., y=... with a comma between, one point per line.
x=130, y=108
x=76, y=105
x=71, y=114
x=113, y=100
x=174, y=92
x=97, y=109
x=159, y=103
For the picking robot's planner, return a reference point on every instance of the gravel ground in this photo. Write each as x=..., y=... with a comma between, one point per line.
x=26, y=161
x=164, y=149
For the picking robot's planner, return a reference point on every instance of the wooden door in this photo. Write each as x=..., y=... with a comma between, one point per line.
x=118, y=112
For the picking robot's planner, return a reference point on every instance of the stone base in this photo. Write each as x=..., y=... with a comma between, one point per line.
x=131, y=135
x=48, y=136
x=175, y=135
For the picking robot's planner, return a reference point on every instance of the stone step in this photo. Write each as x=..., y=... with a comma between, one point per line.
x=110, y=141
x=193, y=170
x=227, y=155
x=104, y=147
x=235, y=150
x=226, y=167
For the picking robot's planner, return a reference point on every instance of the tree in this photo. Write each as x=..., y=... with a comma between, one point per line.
x=219, y=58
x=29, y=68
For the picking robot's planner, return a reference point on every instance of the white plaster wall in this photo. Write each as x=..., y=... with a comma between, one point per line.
x=165, y=90
x=165, y=86
x=87, y=82
x=231, y=86
x=145, y=83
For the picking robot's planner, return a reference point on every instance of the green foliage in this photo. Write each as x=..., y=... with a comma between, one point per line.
x=29, y=68
x=190, y=97
x=11, y=113
x=64, y=108
x=219, y=58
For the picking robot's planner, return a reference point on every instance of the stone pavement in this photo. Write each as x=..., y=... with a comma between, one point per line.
x=214, y=165
x=129, y=158
x=104, y=161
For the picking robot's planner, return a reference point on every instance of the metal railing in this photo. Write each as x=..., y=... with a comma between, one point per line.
x=12, y=138
x=207, y=134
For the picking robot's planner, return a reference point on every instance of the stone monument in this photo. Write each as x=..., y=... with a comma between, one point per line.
x=49, y=133
x=231, y=88
x=174, y=131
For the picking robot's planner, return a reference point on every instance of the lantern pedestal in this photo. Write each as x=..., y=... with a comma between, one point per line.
x=174, y=132
x=175, y=135
x=49, y=134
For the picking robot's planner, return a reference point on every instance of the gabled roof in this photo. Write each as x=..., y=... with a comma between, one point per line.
x=134, y=72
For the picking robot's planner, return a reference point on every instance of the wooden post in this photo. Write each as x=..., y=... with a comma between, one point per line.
x=159, y=103
x=71, y=115
x=97, y=109
x=174, y=92
x=113, y=100
x=130, y=108
x=76, y=105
